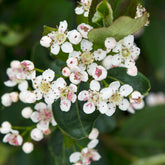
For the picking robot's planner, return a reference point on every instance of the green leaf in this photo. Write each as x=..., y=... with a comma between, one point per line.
x=75, y=123
x=58, y=149
x=10, y=37
x=48, y=30
x=104, y=14
x=139, y=82
x=119, y=29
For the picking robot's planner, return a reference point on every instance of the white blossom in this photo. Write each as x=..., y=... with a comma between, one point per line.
x=45, y=41
x=6, y=100
x=65, y=93
x=27, y=147
x=36, y=134
x=84, y=29
x=107, y=62
x=110, y=43
x=94, y=134
x=43, y=86
x=13, y=138
x=127, y=53
x=43, y=116
x=27, y=96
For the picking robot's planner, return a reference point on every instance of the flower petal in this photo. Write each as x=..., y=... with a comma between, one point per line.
x=35, y=117
x=125, y=90
x=74, y=157
x=65, y=105
x=54, y=49
x=67, y=47
x=93, y=143
x=94, y=85
x=124, y=105
x=48, y=75
x=88, y=108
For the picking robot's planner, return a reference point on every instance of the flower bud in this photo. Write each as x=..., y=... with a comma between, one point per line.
x=27, y=112
x=5, y=127
x=36, y=134
x=110, y=43
x=6, y=100
x=66, y=72
x=27, y=147
x=14, y=96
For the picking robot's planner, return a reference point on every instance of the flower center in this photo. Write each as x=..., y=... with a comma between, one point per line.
x=87, y=58
x=115, y=98
x=60, y=38
x=67, y=93
x=125, y=52
x=45, y=115
x=98, y=72
x=94, y=97
x=45, y=87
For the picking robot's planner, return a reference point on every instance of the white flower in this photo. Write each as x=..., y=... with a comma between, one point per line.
x=27, y=97
x=27, y=112
x=93, y=98
x=94, y=134
x=6, y=100
x=127, y=53
x=83, y=8
x=36, y=134
x=59, y=39
x=99, y=54
x=65, y=93
x=13, y=138
x=46, y=41
x=5, y=127
x=86, y=155
x=19, y=72
x=136, y=101
x=84, y=29
x=86, y=45
x=99, y=73
x=43, y=86
x=110, y=43
x=132, y=71
x=27, y=147
x=77, y=75
x=116, y=96
x=43, y=116
x=74, y=37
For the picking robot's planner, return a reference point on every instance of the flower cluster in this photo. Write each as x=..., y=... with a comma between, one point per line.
x=88, y=153
x=85, y=62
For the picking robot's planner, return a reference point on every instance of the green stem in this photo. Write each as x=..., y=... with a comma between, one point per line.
x=113, y=78
x=105, y=83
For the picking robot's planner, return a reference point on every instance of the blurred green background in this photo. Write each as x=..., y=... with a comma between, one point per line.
x=124, y=137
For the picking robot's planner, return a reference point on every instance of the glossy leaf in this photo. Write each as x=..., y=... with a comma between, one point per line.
x=75, y=123
x=119, y=29
x=139, y=82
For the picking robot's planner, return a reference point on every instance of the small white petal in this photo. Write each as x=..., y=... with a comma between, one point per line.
x=74, y=37
x=74, y=157
x=65, y=105
x=83, y=95
x=27, y=112
x=6, y=100
x=94, y=134
x=54, y=49
x=45, y=41
x=23, y=86
x=106, y=93
x=124, y=105
x=99, y=54
x=88, y=108
x=86, y=45
x=125, y=90
x=63, y=26
x=35, y=117
x=67, y=47
x=92, y=144
x=86, y=14
x=73, y=87
x=43, y=125
x=72, y=62
x=115, y=85
x=27, y=97
x=91, y=67
x=60, y=83
x=37, y=81
x=132, y=71
x=40, y=106
x=10, y=83
x=128, y=41
x=111, y=109
x=102, y=107
x=116, y=60
x=110, y=43
x=94, y=85
x=107, y=62
x=96, y=156
x=48, y=75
